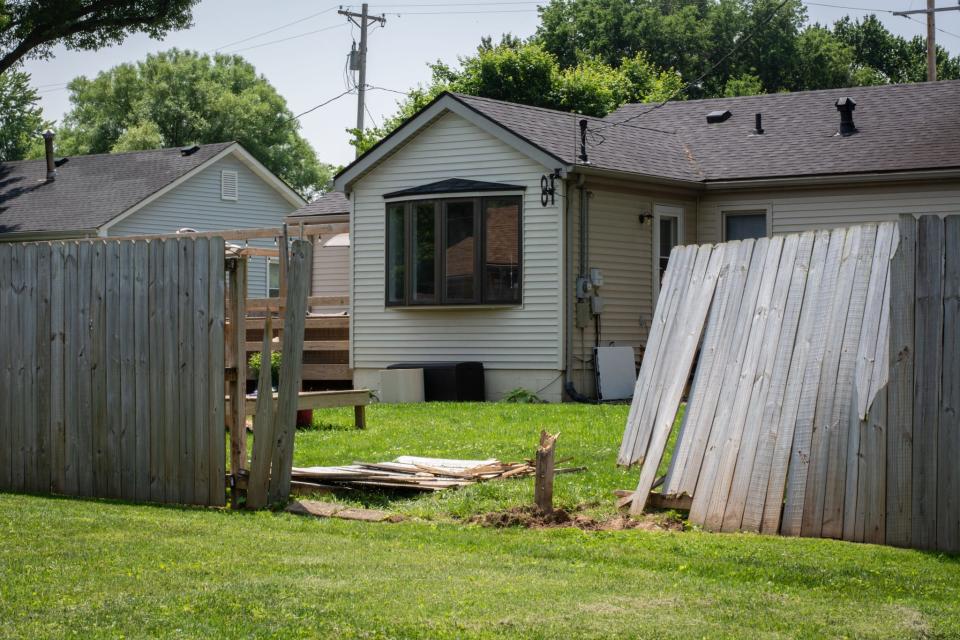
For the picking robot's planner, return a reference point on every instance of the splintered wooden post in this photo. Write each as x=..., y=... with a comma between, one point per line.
x=543, y=489
x=236, y=356
x=263, y=436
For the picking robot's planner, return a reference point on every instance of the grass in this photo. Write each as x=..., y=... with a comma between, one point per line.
x=91, y=569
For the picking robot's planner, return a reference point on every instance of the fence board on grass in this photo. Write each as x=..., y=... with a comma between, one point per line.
x=827, y=395
x=102, y=340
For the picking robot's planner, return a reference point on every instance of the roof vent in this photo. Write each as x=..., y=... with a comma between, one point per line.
x=189, y=151
x=758, y=129
x=718, y=116
x=61, y=162
x=846, y=106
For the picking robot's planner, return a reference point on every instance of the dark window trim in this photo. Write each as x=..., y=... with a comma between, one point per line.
x=480, y=252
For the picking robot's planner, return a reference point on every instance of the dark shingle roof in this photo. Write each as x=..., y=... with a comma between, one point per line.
x=329, y=204
x=905, y=127
x=89, y=191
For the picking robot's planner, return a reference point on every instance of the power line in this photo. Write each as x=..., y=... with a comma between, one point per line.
x=451, y=13
x=299, y=35
x=275, y=29
x=700, y=79
x=315, y=107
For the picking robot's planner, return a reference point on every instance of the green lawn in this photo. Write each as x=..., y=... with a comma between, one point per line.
x=100, y=569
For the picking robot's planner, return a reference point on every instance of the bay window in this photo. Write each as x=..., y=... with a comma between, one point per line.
x=454, y=251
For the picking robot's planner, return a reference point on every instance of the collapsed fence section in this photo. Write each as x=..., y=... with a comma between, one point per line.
x=826, y=395
x=111, y=369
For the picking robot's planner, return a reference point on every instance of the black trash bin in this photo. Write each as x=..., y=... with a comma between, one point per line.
x=449, y=381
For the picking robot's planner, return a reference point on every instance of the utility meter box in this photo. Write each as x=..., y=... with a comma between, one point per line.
x=596, y=277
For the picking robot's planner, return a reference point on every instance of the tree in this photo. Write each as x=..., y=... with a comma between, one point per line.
x=21, y=119
x=176, y=98
x=31, y=28
x=526, y=73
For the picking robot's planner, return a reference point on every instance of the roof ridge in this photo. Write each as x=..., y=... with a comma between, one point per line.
x=524, y=106
x=119, y=153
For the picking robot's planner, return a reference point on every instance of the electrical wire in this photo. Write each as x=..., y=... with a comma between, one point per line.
x=275, y=29
x=706, y=73
x=921, y=22
x=299, y=35
x=315, y=107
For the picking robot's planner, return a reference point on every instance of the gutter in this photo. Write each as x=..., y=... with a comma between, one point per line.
x=843, y=179
x=44, y=236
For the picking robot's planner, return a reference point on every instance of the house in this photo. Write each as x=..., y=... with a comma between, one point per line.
x=331, y=252
x=207, y=187
x=523, y=237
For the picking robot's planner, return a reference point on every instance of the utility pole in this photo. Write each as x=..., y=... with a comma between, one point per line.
x=361, y=19
x=931, y=12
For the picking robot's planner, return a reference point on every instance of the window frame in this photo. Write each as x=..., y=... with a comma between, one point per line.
x=271, y=263
x=440, y=203
x=740, y=210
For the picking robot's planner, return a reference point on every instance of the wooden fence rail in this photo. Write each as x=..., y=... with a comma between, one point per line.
x=111, y=369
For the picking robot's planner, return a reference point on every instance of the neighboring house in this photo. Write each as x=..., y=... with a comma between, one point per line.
x=331, y=253
x=209, y=187
x=459, y=255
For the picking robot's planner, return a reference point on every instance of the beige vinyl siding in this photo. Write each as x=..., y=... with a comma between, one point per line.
x=622, y=248
x=331, y=273
x=196, y=203
x=528, y=337
x=795, y=210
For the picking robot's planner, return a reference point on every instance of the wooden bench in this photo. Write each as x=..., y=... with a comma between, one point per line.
x=356, y=398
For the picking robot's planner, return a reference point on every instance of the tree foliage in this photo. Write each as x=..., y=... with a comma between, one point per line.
x=31, y=28
x=21, y=119
x=175, y=98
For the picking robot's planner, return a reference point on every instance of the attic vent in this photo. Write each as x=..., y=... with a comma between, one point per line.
x=228, y=185
x=718, y=116
x=189, y=151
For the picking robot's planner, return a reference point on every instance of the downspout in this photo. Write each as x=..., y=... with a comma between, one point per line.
x=569, y=386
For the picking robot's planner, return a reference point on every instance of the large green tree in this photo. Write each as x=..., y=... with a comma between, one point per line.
x=176, y=98
x=31, y=28
x=21, y=118
x=528, y=74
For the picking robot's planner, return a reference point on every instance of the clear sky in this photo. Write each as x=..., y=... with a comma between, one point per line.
x=309, y=69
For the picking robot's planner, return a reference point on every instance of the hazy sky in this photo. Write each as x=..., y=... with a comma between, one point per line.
x=309, y=69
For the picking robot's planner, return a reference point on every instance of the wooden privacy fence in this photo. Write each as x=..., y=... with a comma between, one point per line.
x=111, y=369
x=814, y=409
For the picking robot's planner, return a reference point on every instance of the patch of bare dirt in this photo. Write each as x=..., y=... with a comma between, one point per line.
x=532, y=518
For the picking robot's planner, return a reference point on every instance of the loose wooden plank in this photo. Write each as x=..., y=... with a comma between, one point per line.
x=633, y=445
x=948, y=435
x=300, y=263
x=928, y=349
x=899, y=508
x=43, y=372
x=114, y=354
x=171, y=372
x=72, y=371
x=126, y=345
x=843, y=405
x=156, y=317
x=779, y=397
x=201, y=372
x=874, y=487
x=805, y=387
x=690, y=323
x=824, y=426
x=8, y=319
x=743, y=313
x=185, y=374
x=58, y=454
x=704, y=403
x=216, y=346
x=736, y=415
x=141, y=382
x=768, y=385
x=704, y=366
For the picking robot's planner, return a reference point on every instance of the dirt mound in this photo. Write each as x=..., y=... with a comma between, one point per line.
x=532, y=518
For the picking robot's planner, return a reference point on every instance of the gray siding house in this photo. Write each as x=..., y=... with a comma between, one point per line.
x=523, y=237
x=206, y=188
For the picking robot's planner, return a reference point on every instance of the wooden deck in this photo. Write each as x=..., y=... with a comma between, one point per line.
x=326, y=353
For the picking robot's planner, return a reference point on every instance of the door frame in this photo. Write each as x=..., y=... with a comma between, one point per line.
x=663, y=210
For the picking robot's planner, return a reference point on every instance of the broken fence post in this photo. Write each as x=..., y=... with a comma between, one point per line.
x=543, y=489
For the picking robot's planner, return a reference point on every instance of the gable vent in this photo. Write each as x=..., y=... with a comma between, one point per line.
x=228, y=185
